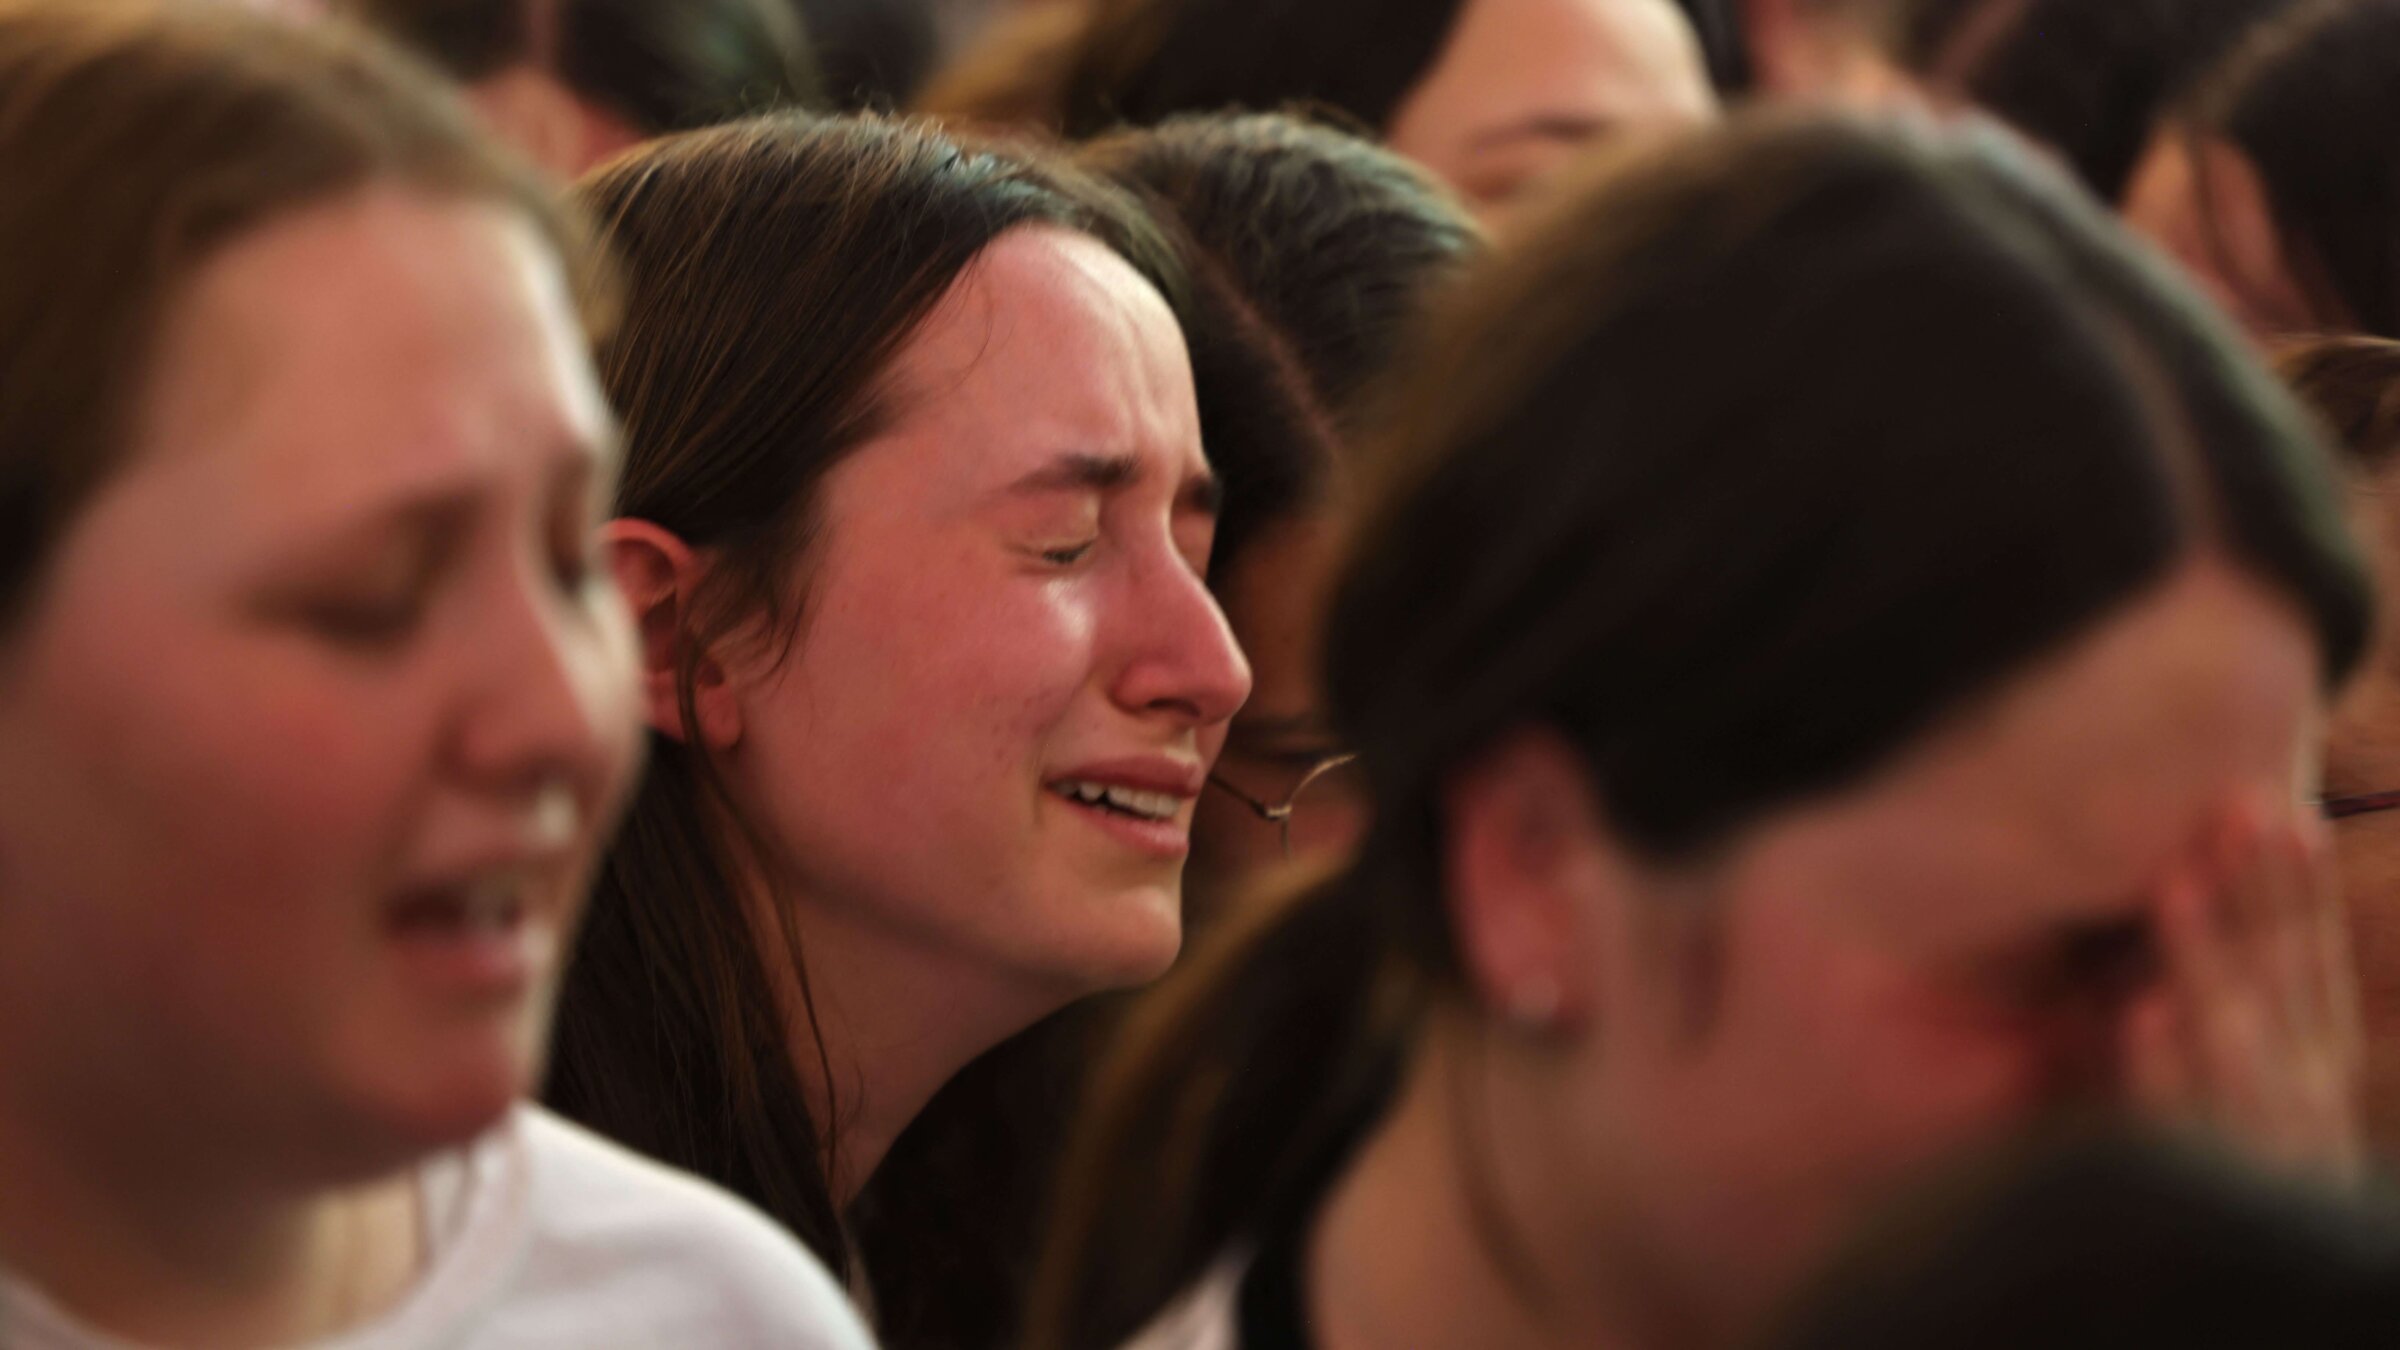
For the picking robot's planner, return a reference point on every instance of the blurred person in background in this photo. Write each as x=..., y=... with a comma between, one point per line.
x=1491, y=95
x=2086, y=81
x=1326, y=251
x=2116, y=1242
x=573, y=83
x=315, y=705
x=2277, y=180
x=2354, y=384
x=1312, y=252
x=873, y=53
x=1835, y=645
x=1822, y=50
x=915, y=525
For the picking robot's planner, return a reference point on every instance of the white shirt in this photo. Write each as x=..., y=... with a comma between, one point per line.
x=1206, y=1317
x=542, y=1236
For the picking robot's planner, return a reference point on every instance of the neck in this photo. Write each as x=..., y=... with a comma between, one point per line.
x=150, y=1241
x=1453, y=1231
x=897, y=1019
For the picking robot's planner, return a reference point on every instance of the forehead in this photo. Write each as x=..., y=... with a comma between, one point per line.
x=1507, y=61
x=1048, y=344
x=2064, y=797
x=365, y=345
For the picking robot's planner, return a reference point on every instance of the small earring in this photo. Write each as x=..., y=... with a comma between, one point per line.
x=1533, y=1005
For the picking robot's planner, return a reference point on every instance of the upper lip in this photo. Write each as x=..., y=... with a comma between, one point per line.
x=1157, y=773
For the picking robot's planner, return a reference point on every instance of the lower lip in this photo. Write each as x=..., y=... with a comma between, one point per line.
x=480, y=963
x=1166, y=840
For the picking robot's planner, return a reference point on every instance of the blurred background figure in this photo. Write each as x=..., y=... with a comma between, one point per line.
x=1491, y=95
x=1311, y=253
x=2120, y=1243
x=571, y=83
x=1318, y=253
x=2277, y=180
x=872, y=54
x=2088, y=82
x=2354, y=385
x=1815, y=50
x=1833, y=638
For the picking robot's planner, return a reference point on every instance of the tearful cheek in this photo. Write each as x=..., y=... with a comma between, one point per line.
x=2370, y=859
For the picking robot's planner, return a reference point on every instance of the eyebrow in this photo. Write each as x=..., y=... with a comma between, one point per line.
x=1548, y=127
x=1079, y=472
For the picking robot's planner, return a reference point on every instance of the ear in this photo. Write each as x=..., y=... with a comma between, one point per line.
x=1529, y=861
x=658, y=573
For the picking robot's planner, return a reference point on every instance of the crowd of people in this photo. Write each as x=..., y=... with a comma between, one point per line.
x=1199, y=674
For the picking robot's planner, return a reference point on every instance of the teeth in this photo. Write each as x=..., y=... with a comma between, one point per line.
x=490, y=907
x=1131, y=801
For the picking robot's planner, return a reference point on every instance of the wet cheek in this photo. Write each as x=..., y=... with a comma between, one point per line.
x=2371, y=890
x=1926, y=1068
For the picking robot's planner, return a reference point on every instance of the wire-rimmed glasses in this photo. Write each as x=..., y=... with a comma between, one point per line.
x=1279, y=814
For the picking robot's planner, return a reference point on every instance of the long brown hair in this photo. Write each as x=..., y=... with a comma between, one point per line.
x=2353, y=383
x=138, y=138
x=1763, y=456
x=774, y=269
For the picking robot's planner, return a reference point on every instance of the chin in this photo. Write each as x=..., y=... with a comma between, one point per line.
x=447, y=1104
x=1140, y=940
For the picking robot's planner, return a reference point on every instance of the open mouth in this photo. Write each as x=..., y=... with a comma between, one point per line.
x=489, y=910
x=1132, y=803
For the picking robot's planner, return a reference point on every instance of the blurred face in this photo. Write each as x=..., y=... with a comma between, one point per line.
x=2362, y=755
x=312, y=730
x=1520, y=86
x=1010, y=682
x=2200, y=199
x=1943, y=953
x=1273, y=600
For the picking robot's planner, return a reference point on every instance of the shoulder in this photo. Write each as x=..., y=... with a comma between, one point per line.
x=647, y=1251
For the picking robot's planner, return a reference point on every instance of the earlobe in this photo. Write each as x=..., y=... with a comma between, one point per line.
x=658, y=574
x=1524, y=848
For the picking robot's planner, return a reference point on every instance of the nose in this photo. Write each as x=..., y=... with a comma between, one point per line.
x=550, y=698
x=1179, y=654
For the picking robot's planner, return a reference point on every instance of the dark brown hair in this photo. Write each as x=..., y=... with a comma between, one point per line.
x=2311, y=103
x=2110, y=1243
x=138, y=138
x=2089, y=80
x=663, y=65
x=1765, y=455
x=774, y=269
x=2353, y=383
x=1314, y=252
